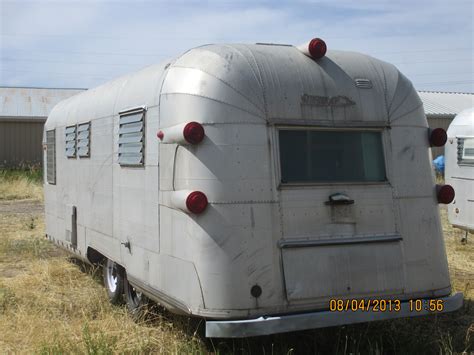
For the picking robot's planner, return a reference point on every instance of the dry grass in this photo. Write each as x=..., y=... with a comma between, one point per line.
x=48, y=304
x=18, y=185
x=51, y=305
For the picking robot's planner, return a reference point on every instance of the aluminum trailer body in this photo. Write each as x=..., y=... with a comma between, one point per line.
x=317, y=174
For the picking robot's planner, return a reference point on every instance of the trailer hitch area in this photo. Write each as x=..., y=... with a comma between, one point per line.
x=339, y=199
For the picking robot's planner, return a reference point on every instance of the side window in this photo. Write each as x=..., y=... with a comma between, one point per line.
x=131, y=150
x=70, y=140
x=51, y=157
x=465, y=151
x=83, y=140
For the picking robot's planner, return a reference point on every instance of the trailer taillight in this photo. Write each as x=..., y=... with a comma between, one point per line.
x=438, y=137
x=196, y=202
x=193, y=132
x=183, y=133
x=317, y=48
x=445, y=193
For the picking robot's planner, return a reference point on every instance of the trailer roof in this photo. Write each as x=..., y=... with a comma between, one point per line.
x=256, y=83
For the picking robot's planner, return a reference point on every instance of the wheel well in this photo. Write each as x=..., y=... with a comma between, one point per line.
x=94, y=256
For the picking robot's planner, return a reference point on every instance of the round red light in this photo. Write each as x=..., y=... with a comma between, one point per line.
x=196, y=202
x=160, y=135
x=438, y=137
x=193, y=132
x=317, y=48
x=445, y=193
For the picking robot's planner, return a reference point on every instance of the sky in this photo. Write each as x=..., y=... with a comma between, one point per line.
x=82, y=44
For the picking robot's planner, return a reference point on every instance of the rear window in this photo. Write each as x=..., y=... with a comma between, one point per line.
x=318, y=156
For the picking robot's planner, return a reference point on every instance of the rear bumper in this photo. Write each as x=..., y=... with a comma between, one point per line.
x=313, y=320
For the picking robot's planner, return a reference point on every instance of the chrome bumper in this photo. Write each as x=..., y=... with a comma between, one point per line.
x=313, y=320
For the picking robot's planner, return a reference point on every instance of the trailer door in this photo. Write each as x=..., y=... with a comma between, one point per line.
x=340, y=236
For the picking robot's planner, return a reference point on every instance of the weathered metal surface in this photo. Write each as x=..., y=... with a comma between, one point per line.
x=242, y=94
x=445, y=103
x=19, y=103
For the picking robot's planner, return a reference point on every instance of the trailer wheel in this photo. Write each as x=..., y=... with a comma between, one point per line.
x=113, y=281
x=137, y=303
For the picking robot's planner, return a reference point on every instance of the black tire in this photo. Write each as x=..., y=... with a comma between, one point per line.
x=113, y=281
x=137, y=303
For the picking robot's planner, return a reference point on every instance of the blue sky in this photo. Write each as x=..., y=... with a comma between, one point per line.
x=85, y=43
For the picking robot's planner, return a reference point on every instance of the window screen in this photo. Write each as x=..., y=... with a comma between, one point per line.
x=308, y=156
x=465, y=151
x=51, y=156
x=131, y=139
x=70, y=139
x=83, y=140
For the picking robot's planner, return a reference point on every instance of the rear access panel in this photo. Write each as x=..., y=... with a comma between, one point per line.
x=342, y=267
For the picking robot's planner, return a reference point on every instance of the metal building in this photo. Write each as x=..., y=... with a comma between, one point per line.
x=441, y=107
x=23, y=112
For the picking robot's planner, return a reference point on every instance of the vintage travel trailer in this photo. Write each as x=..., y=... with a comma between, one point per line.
x=253, y=186
x=460, y=170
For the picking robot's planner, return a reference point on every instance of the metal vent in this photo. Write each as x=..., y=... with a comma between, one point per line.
x=51, y=156
x=363, y=83
x=132, y=139
x=70, y=141
x=83, y=140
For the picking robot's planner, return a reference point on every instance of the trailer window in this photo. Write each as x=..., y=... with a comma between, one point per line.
x=466, y=151
x=83, y=140
x=308, y=156
x=51, y=157
x=131, y=151
x=70, y=139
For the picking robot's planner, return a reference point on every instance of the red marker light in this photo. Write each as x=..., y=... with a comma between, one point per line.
x=160, y=135
x=445, y=193
x=196, y=202
x=317, y=48
x=193, y=132
x=438, y=137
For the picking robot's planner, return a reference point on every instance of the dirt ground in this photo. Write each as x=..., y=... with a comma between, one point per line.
x=29, y=207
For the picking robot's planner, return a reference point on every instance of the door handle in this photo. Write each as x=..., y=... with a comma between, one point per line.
x=339, y=199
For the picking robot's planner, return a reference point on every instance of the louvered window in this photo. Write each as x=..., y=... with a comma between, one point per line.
x=83, y=140
x=51, y=156
x=131, y=151
x=465, y=151
x=70, y=141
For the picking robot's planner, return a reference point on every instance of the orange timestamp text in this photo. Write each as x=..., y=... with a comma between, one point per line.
x=386, y=305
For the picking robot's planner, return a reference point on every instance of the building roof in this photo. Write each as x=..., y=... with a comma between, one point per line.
x=445, y=103
x=31, y=103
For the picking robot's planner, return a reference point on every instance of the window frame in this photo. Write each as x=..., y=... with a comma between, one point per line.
x=291, y=185
x=89, y=140
x=66, y=141
x=130, y=112
x=53, y=180
x=460, y=151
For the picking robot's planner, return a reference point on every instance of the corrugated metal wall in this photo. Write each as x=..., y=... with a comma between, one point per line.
x=20, y=142
x=441, y=122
